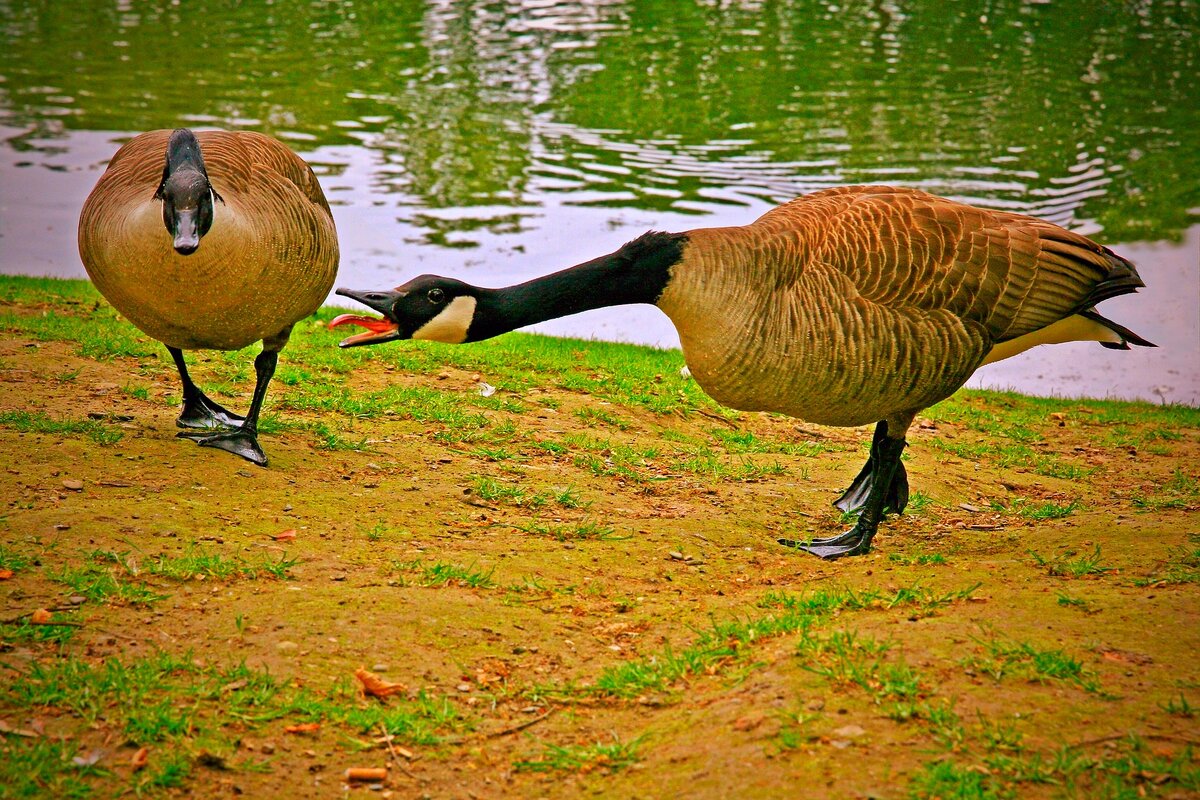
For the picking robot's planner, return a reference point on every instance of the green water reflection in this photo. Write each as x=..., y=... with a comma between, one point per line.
x=1083, y=111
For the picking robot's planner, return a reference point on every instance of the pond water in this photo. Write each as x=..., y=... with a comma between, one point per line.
x=497, y=141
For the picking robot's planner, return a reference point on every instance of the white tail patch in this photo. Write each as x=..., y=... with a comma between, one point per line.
x=452, y=324
x=1072, y=329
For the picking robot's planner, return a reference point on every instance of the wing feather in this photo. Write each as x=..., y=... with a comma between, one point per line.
x=906, y=249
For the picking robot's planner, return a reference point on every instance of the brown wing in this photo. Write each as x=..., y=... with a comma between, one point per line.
x=906, y=249
x=855, y=304
x=233, y=156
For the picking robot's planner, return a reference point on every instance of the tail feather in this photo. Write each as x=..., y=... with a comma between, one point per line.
x=1128, y=337
x=1122, y=278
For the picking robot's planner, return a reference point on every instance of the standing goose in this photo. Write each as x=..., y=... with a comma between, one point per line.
x=211, y=240
x=848, y=306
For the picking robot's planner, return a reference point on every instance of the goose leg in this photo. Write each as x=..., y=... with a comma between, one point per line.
x=243, y=441
x=855, y=496
x=199, y=410
x=885, y=456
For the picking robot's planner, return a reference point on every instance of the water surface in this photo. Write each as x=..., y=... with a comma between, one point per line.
x=496, y=141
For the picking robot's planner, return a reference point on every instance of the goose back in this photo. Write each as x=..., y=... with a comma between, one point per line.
x=269, y=259
x=850, y=305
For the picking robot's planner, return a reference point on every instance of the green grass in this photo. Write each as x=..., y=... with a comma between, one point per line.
x=180, y=709
x=709, y=465
x=918, y=559
x=13, y=559
x=1181, y=491
x=1071, y=565
x=730, y=641
x=493, y=491
x=736, y=441
x=198, y=562
x=1179, y=707
x=101, y=584
x=795, y=730
x=585, y=529
x=1006, y=658
x=330, y=439
x=919, y=503
x=22, y=630
x=1069, y=601
x=443, y=574
x=946, y=780
x=26, y=422
x=42, y=767
x=847, y=659
x=605, y=756
x=319, y=378
x=95, y=330
x=1037, y=511
x=597, y=416
x=1181, y=566
x=1007, y=768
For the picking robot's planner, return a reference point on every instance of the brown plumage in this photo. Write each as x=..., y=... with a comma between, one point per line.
x=211, y=241
x=844, y=307
x=862, y=303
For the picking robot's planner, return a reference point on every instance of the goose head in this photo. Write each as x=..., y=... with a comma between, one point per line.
x=186, y=193
x=429, y=307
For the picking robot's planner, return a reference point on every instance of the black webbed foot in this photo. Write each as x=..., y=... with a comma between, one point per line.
x=881, y=484
x=853, y=542
x=209, y=425
x=240, y=442
x=200, y=412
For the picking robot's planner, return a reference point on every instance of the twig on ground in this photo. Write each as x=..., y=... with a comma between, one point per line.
x=519, y=726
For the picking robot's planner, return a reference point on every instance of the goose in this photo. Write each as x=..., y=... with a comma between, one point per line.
x=211, y=240
x=848, y=306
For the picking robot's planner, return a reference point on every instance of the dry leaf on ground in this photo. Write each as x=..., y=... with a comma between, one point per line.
x=6, y=728
x=374, y=685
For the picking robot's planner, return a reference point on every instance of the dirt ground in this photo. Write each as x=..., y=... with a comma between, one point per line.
x=589, y=602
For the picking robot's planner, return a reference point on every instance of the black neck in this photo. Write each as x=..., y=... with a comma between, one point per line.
x=184, y=165
x=184, y=149
x=637, y=273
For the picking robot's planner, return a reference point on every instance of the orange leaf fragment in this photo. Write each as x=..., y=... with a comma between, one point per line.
x=5, y=574
x=366, y=774
x=284, y=536
x=374, y=685
x=41, y=617
x=140, y=759
x=303, y=727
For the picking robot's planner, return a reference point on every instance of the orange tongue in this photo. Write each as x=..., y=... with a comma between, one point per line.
x=370, y=323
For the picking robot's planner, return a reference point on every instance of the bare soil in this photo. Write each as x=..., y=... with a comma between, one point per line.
x=518, y=656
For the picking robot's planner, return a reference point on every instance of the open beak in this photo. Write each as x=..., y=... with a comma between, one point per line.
x=378, y=330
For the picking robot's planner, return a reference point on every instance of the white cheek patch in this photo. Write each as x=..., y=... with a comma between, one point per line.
x=452, y=324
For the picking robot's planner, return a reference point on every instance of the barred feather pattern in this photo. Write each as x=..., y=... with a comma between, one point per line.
x=862, y=303
x=268, y=261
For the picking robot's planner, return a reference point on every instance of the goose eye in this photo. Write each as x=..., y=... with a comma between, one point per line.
x=436, y=296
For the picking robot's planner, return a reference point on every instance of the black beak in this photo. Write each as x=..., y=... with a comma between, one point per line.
x=375, y=300
x=187, y=232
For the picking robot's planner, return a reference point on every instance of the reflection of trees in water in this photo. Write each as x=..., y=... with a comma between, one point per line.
x=1066, y=110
